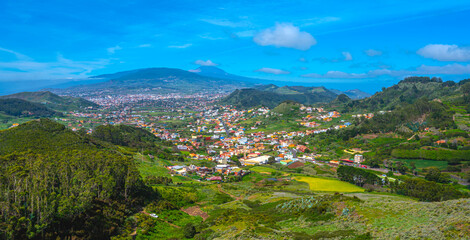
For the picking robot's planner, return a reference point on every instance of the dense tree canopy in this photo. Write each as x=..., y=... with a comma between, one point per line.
x=55, y=183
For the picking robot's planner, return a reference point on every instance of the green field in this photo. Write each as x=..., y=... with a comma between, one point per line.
x=150, y=168
x=329, y=185
x=421, y=164
x=261, y=169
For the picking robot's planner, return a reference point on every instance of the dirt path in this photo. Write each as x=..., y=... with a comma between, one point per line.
x=219, y=186
x=195, y=211
x=411, y=137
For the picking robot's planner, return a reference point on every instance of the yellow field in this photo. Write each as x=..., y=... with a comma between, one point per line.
x=329, y=185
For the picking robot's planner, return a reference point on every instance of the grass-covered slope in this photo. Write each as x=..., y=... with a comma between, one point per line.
x=124, y=135
x=23, y=108
x=53, y=101
x=57, y=184
x=406, y=92
x=271, y=96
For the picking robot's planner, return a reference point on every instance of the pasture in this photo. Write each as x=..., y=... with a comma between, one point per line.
x=421, y=164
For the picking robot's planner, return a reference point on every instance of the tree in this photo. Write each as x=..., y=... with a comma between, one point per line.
x=433, y=174
x=401, y=167
x=271, y=160
x=236, y=161
x=189, y=230
x=466, y=92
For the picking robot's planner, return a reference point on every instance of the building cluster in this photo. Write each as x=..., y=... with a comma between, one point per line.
x=204, y=131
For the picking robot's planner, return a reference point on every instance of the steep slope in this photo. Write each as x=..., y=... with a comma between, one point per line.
x=249, y=97
x=23, y=108
x=124, y=135
x=405, y=92
x=57, y=184
x=272, y=95
x=53, y=101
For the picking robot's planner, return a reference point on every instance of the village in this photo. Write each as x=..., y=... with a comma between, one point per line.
x=232, y=138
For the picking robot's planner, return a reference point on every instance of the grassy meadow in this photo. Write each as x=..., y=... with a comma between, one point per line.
x=422, y=164
x=328, y=185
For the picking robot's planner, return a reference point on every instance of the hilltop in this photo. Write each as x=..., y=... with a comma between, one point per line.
x=53, y=101
x=407, y=91
x=272, y=95
x=22, y=108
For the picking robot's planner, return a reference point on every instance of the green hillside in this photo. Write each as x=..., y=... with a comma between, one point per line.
x=406, y=92
x=21, y=108
x=124, y=135
x=271, y=96
x=53, y=101
x=56, y=184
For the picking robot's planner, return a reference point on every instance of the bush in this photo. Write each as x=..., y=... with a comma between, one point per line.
x=189, y=230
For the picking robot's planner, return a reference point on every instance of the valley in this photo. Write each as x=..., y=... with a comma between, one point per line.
x=205, y=169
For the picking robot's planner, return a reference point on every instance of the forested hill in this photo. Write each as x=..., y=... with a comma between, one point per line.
x=56, y=184
x=53, y=101
x=272, y=95
x=406, y=92
x=22, y=108
x=127, y=136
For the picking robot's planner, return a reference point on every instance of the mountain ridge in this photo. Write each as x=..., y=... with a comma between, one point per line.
x=53, y=101
x=272, y=95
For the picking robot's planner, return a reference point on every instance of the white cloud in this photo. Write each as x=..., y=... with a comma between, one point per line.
x=319, y=20
x=285, y=35
x=17, y=54
x=373, y=52
x=227, y=23
x=205, y=63
x=335, y=74
x=272, y=71
x=62, y=68
x=147, y=45
x=443, y=52
x=450, y=69
x=194, y=70
x=208, y=36
x=248, y=33
x=112, y=50
x=181, y=46
x=302, y=59
x=347, y=56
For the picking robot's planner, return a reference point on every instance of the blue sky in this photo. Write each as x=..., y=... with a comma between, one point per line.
x=342, y=43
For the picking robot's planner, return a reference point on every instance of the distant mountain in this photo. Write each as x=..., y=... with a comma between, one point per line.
x=357, y=94
x=216, y=72
x=272, y=95
x=159, y=80
x=53, y=101
x=353, y=94
x=22, y=108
